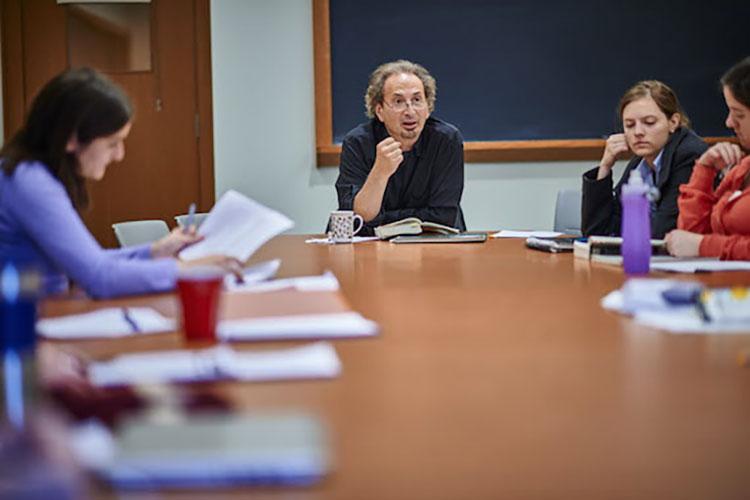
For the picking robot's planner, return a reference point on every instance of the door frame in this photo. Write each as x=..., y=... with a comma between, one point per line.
x=14, y=97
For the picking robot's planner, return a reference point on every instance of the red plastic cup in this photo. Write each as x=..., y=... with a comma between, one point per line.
x=200, y=290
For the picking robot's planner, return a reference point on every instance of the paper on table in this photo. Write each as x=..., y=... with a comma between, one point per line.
x=641, y=294
x=326, y=282
x=701, y=265
x=355, y=239
x=318, y=360
x=525, y=234
x=643, y=299
x=152, y=367
x=687, y=320
x=236, y=226
x=253, y=274
x=330, y=325
x=108, y=322
x=198, y=450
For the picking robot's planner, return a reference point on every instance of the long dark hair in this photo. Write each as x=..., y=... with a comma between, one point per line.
x=737, y=79
x=78, y=103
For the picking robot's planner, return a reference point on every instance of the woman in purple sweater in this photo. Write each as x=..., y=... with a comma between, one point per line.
x=76, y=127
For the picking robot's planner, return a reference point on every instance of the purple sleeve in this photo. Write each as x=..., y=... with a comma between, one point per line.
x=134, y=252
x=44, y=211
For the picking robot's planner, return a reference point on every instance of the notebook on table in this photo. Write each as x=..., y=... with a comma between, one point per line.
x=216, y=450
x=442, y=238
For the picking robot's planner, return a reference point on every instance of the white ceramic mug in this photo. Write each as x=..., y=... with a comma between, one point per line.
x=341, y=226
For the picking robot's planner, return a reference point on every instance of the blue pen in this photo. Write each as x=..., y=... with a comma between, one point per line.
x=129, y=320
x=689, y=294
x=190, y=218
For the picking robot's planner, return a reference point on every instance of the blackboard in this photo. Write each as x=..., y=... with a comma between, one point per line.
x=528, y=70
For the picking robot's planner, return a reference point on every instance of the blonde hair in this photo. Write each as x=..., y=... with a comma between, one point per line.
x=661, y=93
x=374, y=93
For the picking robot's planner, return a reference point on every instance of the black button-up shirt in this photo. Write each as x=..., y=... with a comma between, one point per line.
x=428, y=184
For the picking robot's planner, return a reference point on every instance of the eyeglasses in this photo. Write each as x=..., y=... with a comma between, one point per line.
x=400, y=104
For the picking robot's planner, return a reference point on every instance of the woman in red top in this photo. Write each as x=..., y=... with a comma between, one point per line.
x=716, y=223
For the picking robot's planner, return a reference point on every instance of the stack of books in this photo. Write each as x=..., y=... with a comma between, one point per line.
x=608, y=249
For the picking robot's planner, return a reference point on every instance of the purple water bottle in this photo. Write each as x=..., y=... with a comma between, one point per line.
x=636, y=225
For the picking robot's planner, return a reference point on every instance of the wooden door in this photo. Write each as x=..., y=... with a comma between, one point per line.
x=168, y=162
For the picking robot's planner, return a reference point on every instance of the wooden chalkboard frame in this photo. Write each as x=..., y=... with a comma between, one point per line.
x=327, y=152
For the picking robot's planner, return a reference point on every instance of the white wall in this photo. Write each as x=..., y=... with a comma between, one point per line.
x=264, y=128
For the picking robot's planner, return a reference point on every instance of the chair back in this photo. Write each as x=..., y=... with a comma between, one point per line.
x=182, y=219
x=568, y=211
x=138, y=232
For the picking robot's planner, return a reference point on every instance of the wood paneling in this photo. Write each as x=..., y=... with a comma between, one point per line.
x=166, y=166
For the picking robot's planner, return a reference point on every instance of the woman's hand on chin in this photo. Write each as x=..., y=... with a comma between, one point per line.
x=721, y=156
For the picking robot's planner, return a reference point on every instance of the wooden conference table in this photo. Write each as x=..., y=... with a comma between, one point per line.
x=498, y=375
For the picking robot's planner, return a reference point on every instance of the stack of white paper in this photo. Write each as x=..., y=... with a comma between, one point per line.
x=326, y=282
x=643, y=298
x=328, y=241
x=253, y=275
x=505, y=233
x=318, y=360
x=700, y=265
x=109, y=322
x=641, y=294
x=328, y=326
x=236, y=226
x=687, y=320
x=153, y=367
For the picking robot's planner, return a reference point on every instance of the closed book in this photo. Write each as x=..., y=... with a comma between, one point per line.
x=608, y=249
x=599, y=248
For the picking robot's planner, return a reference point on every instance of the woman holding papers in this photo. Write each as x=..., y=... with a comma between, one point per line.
x=716, y=222
x=657, y=133
x=75, y=128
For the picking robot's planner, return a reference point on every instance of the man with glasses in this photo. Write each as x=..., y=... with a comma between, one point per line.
x=403, y=162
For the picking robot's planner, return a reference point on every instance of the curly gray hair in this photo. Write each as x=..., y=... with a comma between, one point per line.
x=374, y=93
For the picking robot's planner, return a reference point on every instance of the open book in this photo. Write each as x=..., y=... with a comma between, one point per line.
x=412, y=225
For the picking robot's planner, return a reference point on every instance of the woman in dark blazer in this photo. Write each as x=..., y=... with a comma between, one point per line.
x=657, y=132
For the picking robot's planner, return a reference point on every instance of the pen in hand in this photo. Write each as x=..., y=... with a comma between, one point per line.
x=190, y=218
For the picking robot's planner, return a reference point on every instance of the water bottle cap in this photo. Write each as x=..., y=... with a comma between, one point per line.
x=635, y=178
